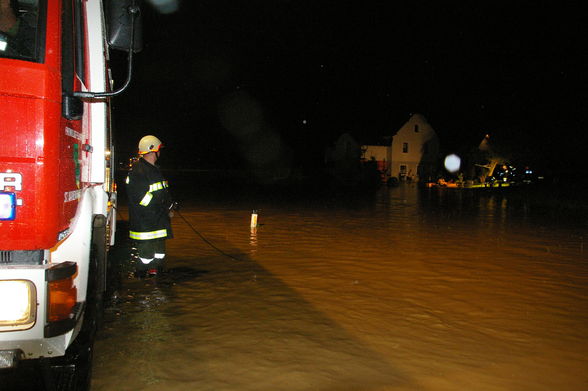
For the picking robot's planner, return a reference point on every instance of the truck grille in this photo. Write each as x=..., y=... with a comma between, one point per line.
x=21, y=257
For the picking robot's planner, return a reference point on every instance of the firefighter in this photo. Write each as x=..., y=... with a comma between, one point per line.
x=150, y=208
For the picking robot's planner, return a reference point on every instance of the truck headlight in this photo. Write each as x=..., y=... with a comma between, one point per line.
x=19, y=307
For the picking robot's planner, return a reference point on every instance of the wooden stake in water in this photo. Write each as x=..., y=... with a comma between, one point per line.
x=254, y=219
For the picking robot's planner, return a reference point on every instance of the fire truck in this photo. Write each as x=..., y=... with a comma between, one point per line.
x=57, y=193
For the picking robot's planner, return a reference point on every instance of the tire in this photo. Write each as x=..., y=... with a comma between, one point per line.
x=72, y=372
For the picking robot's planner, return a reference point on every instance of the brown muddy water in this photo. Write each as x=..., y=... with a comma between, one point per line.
x=404, y=289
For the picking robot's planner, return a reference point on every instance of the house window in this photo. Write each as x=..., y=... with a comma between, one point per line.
x=416, y=128
x=405, y=147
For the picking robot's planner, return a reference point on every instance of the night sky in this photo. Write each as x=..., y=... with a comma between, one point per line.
x=306, y=71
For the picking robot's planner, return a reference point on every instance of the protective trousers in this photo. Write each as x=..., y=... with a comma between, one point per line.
x=151, y=253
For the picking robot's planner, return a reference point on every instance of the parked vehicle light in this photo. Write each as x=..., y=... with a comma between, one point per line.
x=19, y=307
x=7, y=205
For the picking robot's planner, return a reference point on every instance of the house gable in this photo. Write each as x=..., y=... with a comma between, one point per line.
x=410, y=140
x=415, y=148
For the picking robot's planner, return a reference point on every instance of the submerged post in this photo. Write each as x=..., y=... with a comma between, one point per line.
x=254, y=219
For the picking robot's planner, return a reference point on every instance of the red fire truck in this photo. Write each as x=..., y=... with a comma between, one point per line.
x=57, y=194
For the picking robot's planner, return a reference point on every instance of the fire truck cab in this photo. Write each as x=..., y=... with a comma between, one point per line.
x=57, y=194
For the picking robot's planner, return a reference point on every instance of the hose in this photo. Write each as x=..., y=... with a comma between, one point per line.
x=204, y=239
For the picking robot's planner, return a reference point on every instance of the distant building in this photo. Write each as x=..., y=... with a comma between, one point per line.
x=381, y=154
x=413, y=153
x=344, y=165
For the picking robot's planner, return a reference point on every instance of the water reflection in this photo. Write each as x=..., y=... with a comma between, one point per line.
x=253, y=240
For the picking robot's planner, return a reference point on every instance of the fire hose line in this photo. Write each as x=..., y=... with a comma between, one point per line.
x=204, y=239
x=208, y=242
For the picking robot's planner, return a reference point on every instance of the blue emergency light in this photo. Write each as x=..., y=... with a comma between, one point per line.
x=7, y=205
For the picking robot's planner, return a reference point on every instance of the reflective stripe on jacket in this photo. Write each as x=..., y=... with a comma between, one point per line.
x=149, y=195
x=149, y=202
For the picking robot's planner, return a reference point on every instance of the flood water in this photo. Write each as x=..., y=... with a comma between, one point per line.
x=404, y=289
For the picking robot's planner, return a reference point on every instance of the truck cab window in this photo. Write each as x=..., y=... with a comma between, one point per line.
x=21, y=35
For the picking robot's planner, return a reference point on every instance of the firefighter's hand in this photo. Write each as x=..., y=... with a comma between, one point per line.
x=171, y=214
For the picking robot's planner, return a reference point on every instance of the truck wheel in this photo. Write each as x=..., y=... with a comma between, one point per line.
x=72, y=372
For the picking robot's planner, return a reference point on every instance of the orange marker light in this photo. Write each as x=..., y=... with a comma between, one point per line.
x=62, y=299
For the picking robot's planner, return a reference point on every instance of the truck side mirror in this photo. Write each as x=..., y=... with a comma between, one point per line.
x=119, y=16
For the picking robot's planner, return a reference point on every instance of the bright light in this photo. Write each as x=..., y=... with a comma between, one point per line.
x=18, y=308
x=452, y=163
x=7, y=206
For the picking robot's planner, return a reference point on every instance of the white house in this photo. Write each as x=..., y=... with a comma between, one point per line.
x=413, y=153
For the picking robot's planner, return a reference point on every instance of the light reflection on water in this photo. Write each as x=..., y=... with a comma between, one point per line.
x=404, y=289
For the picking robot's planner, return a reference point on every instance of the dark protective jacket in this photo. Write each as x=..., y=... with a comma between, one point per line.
x=149, y=202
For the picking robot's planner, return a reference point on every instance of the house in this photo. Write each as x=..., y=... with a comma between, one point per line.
x=413, y=153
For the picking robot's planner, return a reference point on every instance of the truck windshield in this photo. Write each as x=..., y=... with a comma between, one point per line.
x=21, y=29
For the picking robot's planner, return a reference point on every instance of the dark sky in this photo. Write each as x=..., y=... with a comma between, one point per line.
x=306, y=71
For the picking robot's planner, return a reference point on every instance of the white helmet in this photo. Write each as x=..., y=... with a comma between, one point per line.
x=149, y=144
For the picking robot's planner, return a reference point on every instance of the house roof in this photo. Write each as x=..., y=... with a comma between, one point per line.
x=413, y=117
x=396, y=125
